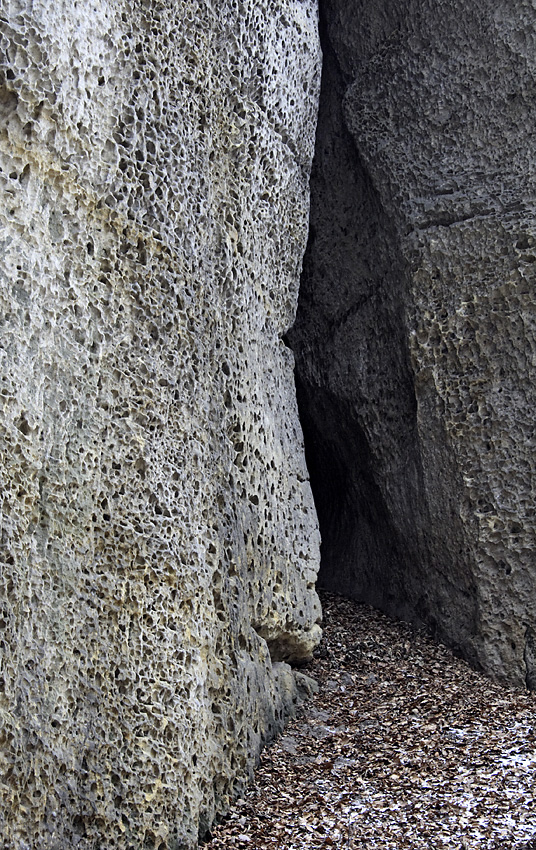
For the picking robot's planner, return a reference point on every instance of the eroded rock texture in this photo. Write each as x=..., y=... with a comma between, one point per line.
x=416, y=332
x=158, y=535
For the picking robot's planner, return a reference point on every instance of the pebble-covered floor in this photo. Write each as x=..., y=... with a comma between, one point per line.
x=404, y=746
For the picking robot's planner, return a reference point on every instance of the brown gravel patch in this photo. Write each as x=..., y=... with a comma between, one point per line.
x=404, y=746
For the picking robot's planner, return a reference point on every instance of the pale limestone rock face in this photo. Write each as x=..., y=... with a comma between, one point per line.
x=158, y=530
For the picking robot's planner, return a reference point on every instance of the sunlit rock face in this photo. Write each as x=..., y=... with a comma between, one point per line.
x=416, y=333
x=159, y=542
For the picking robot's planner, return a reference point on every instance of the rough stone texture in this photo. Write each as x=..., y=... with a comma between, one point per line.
x=416, y=330
x=158, y=533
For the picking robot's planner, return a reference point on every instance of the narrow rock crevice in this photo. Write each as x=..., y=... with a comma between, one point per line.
x=359, y=538
x=354, y=385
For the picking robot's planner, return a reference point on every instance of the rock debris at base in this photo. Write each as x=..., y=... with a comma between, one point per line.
x=404, y=746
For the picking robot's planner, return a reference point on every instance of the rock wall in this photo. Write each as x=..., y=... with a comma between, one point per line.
x=416, y=332
x=159, y=544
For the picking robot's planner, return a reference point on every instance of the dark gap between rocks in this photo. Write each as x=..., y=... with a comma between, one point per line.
x=352, y=369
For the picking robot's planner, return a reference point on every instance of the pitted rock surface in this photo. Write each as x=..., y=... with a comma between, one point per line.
x=416, y=332
x=159, y=537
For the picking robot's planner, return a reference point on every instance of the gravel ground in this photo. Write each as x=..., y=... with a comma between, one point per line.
x=404, y=746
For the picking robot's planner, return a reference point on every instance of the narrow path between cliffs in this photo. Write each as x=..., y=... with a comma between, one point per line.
x=404, y=746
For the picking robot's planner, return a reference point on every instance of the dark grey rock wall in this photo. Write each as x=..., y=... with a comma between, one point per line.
x=415, y=336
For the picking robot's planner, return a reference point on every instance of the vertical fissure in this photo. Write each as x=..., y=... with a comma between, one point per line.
x=355, y=394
